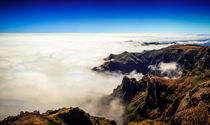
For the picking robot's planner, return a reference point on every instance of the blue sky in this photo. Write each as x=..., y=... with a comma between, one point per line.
x=91, y=16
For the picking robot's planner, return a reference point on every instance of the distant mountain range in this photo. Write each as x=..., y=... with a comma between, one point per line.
x=187, y=56
x=193, y=42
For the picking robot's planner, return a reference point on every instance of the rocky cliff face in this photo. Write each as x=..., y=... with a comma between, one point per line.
x=166, y=101
x=187, y=56
x=194, y=107
x=64, y=116
x=128, y=89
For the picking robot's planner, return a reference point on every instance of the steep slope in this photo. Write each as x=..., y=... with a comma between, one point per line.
x=64, y=116
x=194, y=107
x=187, y=56
x=158, y=99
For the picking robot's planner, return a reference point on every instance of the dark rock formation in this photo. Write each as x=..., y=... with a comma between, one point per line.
x=187, y=56
x=158, y=99
x=128, y=89
x=157, y=43
x=76, y=116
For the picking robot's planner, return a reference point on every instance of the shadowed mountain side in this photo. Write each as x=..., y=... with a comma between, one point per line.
x=64, y=116
x=187, y=56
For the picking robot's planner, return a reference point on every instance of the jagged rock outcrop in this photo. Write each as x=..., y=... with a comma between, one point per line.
x=187, y=56
x=128, y=89
x=76, y=116
x=157, y=98
x=194, y=107
x=64, y=116
x=143, y=94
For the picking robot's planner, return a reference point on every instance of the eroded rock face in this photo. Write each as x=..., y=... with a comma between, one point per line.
x=159, y=99
x=194, y=107
x=144, y=95
x=129, y=88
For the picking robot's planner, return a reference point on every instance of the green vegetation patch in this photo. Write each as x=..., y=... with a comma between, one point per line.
x=132, y=113
x=139, y=98
x=196, y=81
x=52, y=122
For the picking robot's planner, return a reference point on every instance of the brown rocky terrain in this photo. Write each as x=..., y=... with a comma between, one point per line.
x=156, y=100
x=194, y=107
x=64, y=116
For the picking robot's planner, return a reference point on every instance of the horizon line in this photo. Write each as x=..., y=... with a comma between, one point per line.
x=105, y=33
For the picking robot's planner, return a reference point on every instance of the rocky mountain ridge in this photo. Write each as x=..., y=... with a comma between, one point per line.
x=187, y=56
x=64, y=116
x=166, y=101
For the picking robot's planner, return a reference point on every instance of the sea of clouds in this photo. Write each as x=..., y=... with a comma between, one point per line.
x=50, y=71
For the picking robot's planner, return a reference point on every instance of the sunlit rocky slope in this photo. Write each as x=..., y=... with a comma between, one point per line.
x=64, y=116
x=158, y=100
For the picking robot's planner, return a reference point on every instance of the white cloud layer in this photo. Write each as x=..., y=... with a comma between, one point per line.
x=169, y=70
x=136, y=75
x=49, y=71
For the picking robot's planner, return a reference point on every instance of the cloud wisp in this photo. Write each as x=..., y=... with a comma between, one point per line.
x=169, y=70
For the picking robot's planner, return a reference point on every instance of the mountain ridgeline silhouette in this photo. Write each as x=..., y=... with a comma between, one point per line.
x=188, y=56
